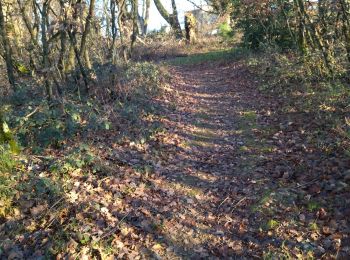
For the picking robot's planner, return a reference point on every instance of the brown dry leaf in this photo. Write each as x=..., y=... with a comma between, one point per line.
x=326, y=230
x=321, y=213
x=299, y=239
x=315, y=188
x=36, y=211
x=242, y=228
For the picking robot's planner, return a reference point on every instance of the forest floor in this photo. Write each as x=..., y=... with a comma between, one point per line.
x=231, y=175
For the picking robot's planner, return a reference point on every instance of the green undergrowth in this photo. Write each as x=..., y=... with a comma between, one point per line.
x=8, y=180
x=306, y=93
x=57, y=138
x=39, y=124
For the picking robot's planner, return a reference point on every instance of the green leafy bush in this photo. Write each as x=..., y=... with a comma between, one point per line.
x=8, y=180
x=145, y=79
x=79, y=158
x=226, y=31
x=264, y=24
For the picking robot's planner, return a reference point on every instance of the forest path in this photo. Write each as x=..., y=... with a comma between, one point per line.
x=212, y=167
x=254, y=180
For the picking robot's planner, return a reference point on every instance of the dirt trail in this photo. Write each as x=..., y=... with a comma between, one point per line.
x=225, y=176
x=250, y=186
x=214, y=121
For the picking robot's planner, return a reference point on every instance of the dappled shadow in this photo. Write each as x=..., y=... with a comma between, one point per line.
x=220, y=176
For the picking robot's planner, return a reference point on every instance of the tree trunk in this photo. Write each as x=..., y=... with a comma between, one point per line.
x=113, y=30
x=72, y=31
x=171, y=19
x=86, y=32
x=146, y=17
x=301, y=27
x=45, y=49
x=135, y=28
x=190, y=28
x=345, y=9
x=123, y=28
x=175, y=18
x=63, y=37
x=7, y=49
x=78, y=57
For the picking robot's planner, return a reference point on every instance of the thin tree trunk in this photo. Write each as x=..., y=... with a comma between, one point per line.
x=121, y=20
x=77, y=56
x=315, y=34
x=70, y=65
x=72, y=32
x=7, y=49
x=45, y=49
x=171, y=19
x=27, y=23
x=176, y=23
x=63, y=38
x=113, y=30
x=135, y=28
x=83, y=50
x=108, y=21
x=147, y=5
x=301, y=27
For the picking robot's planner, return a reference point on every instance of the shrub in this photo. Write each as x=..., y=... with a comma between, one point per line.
x=263, y=23
x=8, y=180
x=225, y=31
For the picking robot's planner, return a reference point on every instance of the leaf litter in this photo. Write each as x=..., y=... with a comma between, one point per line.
x=224, y=178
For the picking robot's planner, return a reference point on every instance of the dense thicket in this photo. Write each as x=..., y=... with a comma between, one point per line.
x=55, y=40
x=316, y=28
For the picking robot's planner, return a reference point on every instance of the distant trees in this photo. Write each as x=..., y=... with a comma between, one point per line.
x=57, y=40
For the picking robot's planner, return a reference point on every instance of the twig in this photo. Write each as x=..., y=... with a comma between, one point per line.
x=115, y=228
x=55, y=217
x=305, y=184
x=238, y=203
x=103, y=179
x=222, y=202
x=31, y=113
x=201, y=8
x=58, y=201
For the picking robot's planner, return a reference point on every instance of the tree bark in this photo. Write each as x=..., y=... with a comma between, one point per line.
x=146, y=17
x=45, y=49
x=123, y=28
x=63, y=37
x=345, y=9
x=113, y=29
x=7, y=49
x=86, y=34
x=171, y=19
x=135, y=28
